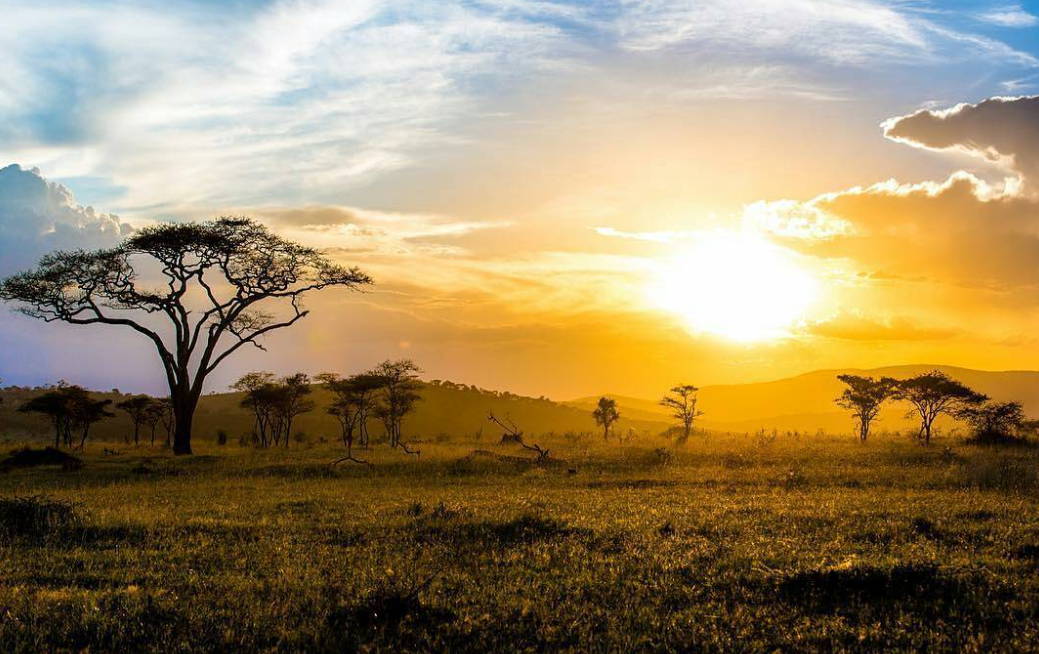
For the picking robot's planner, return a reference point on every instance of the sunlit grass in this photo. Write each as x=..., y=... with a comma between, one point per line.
x=734, y=544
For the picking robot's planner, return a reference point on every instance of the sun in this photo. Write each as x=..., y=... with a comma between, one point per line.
x=735, y=284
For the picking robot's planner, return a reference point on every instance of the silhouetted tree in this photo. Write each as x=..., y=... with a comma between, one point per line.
x=157, y=408
x=87, y=412
x=605, y=415
x=994, y=421
x=139, y=408
x=230, y=265
x=352, y=399
x=165, y=410
x=291, y=401
x=932, y=394
x=259, y=395
x=57, y=406
x=682, y=403
x=398, y=385
x=864, y=397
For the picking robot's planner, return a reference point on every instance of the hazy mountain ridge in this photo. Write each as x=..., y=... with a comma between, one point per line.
x=806, y=402
x=802, y=403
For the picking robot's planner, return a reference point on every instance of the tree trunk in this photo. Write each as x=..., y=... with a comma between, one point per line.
x=184, y=414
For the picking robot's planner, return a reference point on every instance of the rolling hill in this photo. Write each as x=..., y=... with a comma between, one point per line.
x=456, y=410
x=806, y=402
x=803, y=403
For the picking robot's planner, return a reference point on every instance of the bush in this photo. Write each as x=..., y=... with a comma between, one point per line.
x=37, y=515
x=1000, y=474
x=221, y=437
x=48, y=456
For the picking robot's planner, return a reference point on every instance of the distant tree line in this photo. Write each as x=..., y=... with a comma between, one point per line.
x=929, y=396
x=387, y=393
x=72, y=411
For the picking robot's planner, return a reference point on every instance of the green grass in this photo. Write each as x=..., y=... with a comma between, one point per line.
x=810, y=544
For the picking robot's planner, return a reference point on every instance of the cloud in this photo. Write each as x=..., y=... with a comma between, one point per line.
x=958, y=232
x=37, y=216
x=655, y=237
x=316, y=100
x=1001, y=131
x=855, y=326
x=356, y=231
x=850, y=32
x=962, y=253
x=310, y=97
x=1009, y=16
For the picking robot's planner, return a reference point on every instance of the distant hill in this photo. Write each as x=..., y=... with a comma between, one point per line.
x=802, y=403
x=806, y=402
x=456, y=410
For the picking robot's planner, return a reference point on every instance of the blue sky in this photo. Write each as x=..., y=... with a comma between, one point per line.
x=245, y=103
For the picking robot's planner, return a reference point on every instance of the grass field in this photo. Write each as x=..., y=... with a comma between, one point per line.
x=813, y=544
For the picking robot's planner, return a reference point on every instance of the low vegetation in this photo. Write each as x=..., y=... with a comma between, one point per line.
x=808, y=544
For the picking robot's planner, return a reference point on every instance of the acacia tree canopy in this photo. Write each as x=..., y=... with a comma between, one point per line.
x=934, y=393
x=212, y=277
x=864, y=396
x=682, y=403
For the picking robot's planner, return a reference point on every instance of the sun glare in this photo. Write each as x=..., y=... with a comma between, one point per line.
x=735, y=284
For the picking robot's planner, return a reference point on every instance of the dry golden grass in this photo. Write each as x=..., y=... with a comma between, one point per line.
x=809, y=544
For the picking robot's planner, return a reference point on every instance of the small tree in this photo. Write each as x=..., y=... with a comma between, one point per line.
x=167, y=417
x=291, y=402
x=347, y=408
x=682, y=403
x=399, y=386
x=259, y=397
x=864, y=397
x=215, y=277
x=932, y=394
x=994, y=421
x=88, y=411
x=139, y=409
x=57, y=405
x=605, y=415
x=157, y=408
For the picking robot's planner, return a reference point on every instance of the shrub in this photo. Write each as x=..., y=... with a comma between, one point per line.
x=1000, y=474
x=221, y=437
x=48, y=456
x=37, y=515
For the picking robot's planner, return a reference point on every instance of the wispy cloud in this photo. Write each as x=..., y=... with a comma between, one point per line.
x=203, y=107
x=855, y=32
x=195, y=106
x=1009, y=16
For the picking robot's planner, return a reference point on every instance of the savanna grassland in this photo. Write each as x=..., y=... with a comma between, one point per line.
x=744, y=544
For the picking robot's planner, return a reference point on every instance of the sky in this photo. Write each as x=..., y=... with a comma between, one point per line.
x=554, y=198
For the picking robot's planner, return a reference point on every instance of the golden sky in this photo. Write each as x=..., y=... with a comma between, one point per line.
x=554, y=198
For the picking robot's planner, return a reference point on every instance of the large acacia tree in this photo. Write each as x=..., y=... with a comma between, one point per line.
x=198, y=291
x=934, y=393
